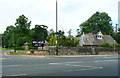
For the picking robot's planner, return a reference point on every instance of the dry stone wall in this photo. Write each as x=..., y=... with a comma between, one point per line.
x=83, y=50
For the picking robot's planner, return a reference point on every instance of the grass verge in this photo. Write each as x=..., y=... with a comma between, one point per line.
x=5, y=48
x=17, y=53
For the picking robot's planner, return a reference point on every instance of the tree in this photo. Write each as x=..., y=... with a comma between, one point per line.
x=40, y=32
x=8, y=37
x=62, y=39
x=51, y=32
x=52, y=40
x=0, y=40
x=22, y=30
x=20, y=33
x=99, y=22
x=68, y=41
x=22, y=26
x=17, y=35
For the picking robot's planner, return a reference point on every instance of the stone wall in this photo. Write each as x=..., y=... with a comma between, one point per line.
x=83, y=50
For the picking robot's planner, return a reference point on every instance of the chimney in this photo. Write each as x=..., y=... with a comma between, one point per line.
x=95, y=28
x=83, y=29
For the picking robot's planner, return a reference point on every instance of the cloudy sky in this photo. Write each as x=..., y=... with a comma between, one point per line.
x=71, y=13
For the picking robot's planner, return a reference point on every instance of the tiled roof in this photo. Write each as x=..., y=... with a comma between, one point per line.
x=90, y=39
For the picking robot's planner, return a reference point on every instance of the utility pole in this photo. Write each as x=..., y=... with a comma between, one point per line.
x=56, y=30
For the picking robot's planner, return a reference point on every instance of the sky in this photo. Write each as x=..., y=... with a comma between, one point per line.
x=71, y=13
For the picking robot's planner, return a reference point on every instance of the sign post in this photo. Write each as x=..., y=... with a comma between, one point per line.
x=38, y=43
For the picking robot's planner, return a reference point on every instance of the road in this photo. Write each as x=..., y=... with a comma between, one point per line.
x=60, y=66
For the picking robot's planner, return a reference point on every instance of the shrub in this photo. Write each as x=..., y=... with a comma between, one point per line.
x=20, y=48
x=32, y=48
x=105, y=44
x=117, y=45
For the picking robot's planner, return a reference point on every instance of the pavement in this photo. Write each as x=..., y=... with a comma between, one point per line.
x=85, y=65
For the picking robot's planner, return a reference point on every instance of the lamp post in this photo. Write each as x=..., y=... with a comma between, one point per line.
x=56, y=30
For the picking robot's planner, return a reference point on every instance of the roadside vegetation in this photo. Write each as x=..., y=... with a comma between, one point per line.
x=20, y=32
x=108, y=45
x=17, y=53
x=6, y=48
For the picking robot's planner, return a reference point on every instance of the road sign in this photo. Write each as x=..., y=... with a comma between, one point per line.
x=38, y=43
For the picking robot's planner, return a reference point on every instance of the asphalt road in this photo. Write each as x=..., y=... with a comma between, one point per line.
x=60, y=66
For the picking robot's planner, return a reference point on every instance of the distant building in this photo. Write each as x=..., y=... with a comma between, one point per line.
x=95, y=39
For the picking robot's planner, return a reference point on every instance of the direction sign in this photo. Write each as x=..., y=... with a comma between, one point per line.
x=38, y=43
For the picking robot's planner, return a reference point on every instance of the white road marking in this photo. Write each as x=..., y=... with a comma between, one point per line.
x=68, y=70
x=78, y=65
x=18, y=75
x=91, y=68
x=55, y=63
x=111, y=57
x=106, y=60
x=2, y=58
x=86, y=69
x=11, y=65
x=74, y=64
x=100, y=67
x=65, y=62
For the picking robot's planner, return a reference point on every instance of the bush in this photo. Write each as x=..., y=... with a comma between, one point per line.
x=68, y=42
x=105, y=44
x=19, y=48
x=117, y=45
x=32, y=48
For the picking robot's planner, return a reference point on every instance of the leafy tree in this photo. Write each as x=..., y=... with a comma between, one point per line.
x=68, y=41
x=62, y=40
x=0, y=40
x=51, y=32
x=52, y=40
x=17, y=35
x=8, y=37
x=40, y=32
x=22, y=30
x=60, y=33
x=22, y=26
x=98, y=21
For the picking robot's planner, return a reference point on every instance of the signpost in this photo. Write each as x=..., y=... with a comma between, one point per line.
x=38, y=43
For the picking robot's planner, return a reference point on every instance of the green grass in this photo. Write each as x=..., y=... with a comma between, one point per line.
x=17, y=53
x=5, y=48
